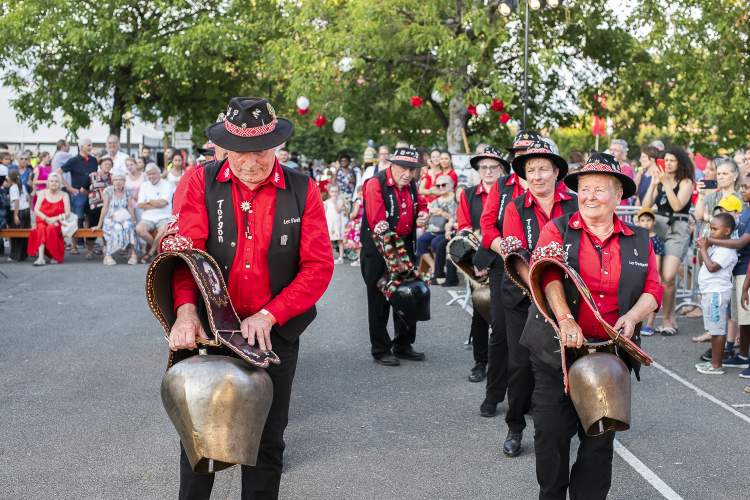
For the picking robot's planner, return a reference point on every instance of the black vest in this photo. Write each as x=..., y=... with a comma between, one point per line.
x=392, y=214
x=539, y=336
x=283, y=250
x=505, y=192
x=475, y=206
x=512, y=295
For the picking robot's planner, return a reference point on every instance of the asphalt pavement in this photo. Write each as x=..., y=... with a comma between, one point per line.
x=81, y=418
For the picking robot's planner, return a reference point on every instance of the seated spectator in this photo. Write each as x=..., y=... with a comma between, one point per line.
x=117, y=220
x=442, y=218
x=155, y=199
x=52, y=207
x=20, y=216
x=715, y=282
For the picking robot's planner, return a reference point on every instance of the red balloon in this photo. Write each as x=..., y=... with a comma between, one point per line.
x=302, y=112
x=504, y=118
x=320, y=120
x=416, y=101
x=497, y=105
x=471, y=109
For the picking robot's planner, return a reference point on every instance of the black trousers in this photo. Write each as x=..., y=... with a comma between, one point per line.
x=480, y=331
x=555, y=424
x=497, y=352
x=260, y=482
x=520, y=375
x=378, y=310
x=19, y=246
x=441, y=263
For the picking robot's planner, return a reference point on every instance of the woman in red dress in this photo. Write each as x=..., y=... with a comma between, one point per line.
x=52, y=206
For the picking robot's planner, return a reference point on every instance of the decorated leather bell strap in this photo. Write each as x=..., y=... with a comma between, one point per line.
x=399, y=267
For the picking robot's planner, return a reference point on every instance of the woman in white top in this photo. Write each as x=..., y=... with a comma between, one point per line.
x=20, y=215
x=174, y=174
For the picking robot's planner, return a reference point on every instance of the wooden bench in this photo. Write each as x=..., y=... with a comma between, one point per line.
x=24, y=233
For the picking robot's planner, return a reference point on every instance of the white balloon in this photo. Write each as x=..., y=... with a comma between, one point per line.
x=303, y=102
x=346, y=64
x=339, y=125
x=481, y=109
x=436, y=96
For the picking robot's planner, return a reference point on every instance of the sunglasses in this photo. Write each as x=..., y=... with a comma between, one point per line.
x=441, y=185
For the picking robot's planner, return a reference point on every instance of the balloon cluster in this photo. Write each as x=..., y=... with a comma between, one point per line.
x=303, y=107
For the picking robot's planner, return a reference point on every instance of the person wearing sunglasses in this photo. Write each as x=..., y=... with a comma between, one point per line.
x=442, y=213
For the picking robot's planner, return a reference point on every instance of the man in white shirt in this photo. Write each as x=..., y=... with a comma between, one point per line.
x=118, y=157
x=155, y=199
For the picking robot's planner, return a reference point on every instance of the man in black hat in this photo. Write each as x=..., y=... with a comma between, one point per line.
x=491, y=166
x=507, y=188
x=391, y=203
x=266, y=227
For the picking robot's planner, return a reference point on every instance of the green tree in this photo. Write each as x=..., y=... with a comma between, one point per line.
x=160, y=58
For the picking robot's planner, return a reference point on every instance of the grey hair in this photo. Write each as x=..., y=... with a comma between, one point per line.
x=151, y=166
x=448, y=178
x=622, y=143
x=84, y=141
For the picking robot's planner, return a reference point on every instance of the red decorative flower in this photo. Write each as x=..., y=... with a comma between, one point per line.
x=320, y=120
x=504, y=118
x=416, y=101
x=497, y=105
x=471, y=109
x=302, y=112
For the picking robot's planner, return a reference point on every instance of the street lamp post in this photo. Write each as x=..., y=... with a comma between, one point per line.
x=506, y=8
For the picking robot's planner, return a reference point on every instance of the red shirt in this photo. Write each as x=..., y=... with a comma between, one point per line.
x=602, y=281
x=375, y=204
x=179, y=192
x=513, y=225
x=488, y=222
x=249, y=282
x=463, y=213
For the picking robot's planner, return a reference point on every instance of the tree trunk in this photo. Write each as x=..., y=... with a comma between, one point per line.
x=118, y=110
x=456, y=119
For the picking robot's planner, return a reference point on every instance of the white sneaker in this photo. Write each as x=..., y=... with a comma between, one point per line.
x=708, y=369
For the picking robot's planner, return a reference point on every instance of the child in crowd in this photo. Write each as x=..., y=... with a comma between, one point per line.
x=715, y=282
x=335, y=206
x=646, y=219
x=354, y=228
x=442, y=216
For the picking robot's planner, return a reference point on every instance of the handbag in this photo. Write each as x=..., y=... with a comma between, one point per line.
x=69, y=225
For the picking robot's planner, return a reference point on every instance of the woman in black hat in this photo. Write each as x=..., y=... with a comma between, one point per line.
x=522, y=223
x=624, y=283
x=265, y=226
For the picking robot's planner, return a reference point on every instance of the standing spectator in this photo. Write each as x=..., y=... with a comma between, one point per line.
x=619, y=149
x=335, y=210
x=671, y=191
x=175, y=172
x=20, y=216
x=354, y=227
x=146, y=155
x=647, y=220
x=168, y=157
x=345, y=176
x=727, y=174
x=442, y=212
x=446, y=167
x=5, y=160
x=62, y=154
x=715, y=282
x=25, y=171
x=154, y=198
x=52, y=207
x=4, y=207
x=427, y=183
x=649, y=155
x=383, y=154
x=575, y=161
x=80, y=167
x=283, y=156
x=41, y=173
x=118, y=157
x=117, y=220
x=134, y=177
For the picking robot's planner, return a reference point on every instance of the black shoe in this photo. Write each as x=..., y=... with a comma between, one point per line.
x=387, y=359
x=450, y=283
x=409, y=354
x=512, y=444
x=706, y=356
x=488, y=408
x=478, y=373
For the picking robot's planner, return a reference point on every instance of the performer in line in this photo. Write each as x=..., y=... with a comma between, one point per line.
x=506, y=189
x=391, y=203
x=522, y=223
x=264, y=224
x=491, y=166
x=617, y=263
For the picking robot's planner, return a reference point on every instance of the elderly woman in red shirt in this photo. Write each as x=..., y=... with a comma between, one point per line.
x=617, y=263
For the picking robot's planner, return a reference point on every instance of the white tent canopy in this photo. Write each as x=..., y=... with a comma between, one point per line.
x=17, y=134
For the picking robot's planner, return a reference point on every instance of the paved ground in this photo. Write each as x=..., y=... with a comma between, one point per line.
x=81, y=418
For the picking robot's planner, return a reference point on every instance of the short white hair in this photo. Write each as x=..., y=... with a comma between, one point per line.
x=448, y=180
x=151, y=167
x=84, y=141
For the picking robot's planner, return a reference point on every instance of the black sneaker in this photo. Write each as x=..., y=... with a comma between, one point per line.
x=706, y=356
x=478, y=373
x=488, y=408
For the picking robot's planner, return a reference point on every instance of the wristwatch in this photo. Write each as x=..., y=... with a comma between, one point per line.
x=567, y=316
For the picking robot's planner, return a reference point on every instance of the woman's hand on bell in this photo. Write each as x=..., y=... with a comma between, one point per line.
x=571, y=334
x=186, y=328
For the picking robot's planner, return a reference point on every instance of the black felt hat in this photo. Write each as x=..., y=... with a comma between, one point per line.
x=492, y=153
x=407, y=158
x=249, y=124
x=605, y=164
x=524, y=139
x=539, y=149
